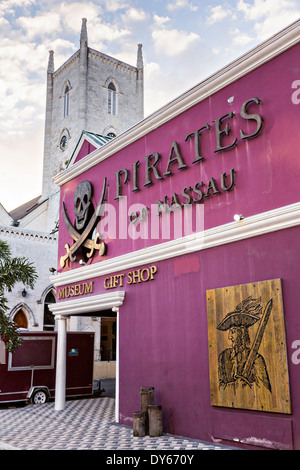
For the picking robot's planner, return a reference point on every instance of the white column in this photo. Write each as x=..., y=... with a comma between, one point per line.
x=60, y=385
x=116, y=309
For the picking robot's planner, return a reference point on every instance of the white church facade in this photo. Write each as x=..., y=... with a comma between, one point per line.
x=91, y=98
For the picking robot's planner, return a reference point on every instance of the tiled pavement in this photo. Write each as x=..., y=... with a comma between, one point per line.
x=84, y=424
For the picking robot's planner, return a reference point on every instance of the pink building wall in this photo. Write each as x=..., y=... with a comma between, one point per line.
x=164, y=343
x=85, y=149
x=163, y=323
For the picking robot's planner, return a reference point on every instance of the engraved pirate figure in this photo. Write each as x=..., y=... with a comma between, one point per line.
x=241, y=364
x=86, y=240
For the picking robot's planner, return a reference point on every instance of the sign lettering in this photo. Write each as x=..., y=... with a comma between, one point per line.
x=153, y=162
x=76, y=290
x=133, y=277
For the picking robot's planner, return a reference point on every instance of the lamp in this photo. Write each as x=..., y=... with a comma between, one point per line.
x=24, y=292
x=52, y=270
x=238, y=217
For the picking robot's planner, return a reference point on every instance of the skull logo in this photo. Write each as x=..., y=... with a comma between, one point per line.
x=83, y=206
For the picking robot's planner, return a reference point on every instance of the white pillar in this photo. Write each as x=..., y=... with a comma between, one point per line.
x=60, y=385
x=116, y=309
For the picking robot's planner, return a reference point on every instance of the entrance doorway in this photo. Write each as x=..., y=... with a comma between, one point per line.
x=20, y=319
x=102, y=305
x=104, y=325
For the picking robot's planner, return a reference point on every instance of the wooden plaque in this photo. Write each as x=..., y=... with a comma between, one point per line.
x=247, y=347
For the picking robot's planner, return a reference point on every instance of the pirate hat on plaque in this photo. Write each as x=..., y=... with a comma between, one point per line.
x=245, y=314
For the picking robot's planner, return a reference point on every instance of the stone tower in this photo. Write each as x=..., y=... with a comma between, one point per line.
x=91, y=91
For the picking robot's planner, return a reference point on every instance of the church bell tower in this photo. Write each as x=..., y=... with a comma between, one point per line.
x=90, y=92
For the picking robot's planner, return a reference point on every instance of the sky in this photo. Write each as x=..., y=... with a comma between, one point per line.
x=184, y=42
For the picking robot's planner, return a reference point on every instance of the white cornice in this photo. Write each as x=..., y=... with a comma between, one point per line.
x=260, y=224
x=89, y=304
x=23, y=233
x=261, y=54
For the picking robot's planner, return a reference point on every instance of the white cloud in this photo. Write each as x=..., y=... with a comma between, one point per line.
x=275, y=23
x=71, y=14
x=99, y=33
x=114, y=5
x=21, y=169
x=241, y=39
x=62, y=48
x=160, y=20
x=270, y=16
x=8, y=6
x=22, y=86
x=172, y=42
x=181, y=4
x=258, y=9
x=219, y=13
x=3, y=21
x=41, y=25
x=159, y=91
x=134, y=14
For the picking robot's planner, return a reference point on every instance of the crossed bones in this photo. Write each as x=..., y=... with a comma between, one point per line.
x=81, y=239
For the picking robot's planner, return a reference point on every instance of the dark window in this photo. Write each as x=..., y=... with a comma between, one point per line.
x=108, y=339
x=112, y=99
x=49, y=321
x=66, y=102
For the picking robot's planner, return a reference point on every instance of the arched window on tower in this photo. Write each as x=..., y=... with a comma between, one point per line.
x=66, y=101
x=49, y=321
x=111, y=99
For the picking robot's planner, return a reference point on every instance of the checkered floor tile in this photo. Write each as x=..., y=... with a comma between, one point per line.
x=84, y=424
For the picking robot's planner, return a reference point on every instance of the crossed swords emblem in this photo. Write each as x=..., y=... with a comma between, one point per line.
x=82, y=239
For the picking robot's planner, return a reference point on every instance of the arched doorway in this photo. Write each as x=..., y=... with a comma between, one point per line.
x=20, y=319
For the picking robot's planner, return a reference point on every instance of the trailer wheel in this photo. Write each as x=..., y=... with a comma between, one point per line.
x=39, y=397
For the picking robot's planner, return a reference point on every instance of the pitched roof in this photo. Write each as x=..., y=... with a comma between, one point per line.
x=96, y=141
x=25, y=209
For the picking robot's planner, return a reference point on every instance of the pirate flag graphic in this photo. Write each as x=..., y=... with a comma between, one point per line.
x=86, y=241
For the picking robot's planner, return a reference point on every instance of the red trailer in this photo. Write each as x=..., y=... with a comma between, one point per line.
x=29, y=373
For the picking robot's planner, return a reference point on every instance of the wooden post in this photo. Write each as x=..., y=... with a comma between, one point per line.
x=147, y=397
x=139, y=424
x=155, y=420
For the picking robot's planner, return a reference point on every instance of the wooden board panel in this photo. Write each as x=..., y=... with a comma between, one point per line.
x=247, y=347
